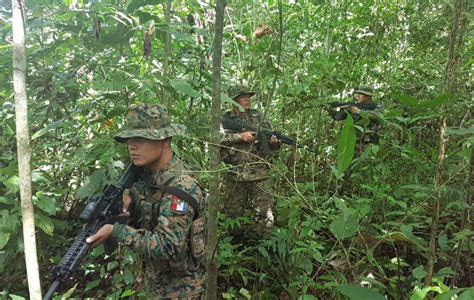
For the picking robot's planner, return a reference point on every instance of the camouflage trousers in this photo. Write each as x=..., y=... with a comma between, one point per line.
x=251, y=199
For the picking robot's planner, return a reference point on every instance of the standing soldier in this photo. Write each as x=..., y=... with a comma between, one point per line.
x=170, y=234
x=362, y=102
x=248, y=181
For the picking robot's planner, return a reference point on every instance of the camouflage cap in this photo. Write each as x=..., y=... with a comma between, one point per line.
x=238, y=90
x=365, y=90
x=150, y=122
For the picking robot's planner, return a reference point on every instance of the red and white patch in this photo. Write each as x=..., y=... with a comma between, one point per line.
x=178, y=205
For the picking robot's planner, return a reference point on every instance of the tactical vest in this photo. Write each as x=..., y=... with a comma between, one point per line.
x=148, y=212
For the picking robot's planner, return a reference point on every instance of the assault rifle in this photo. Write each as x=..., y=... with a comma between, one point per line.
x=263, y=134
x=99, y=210
x=342, y=105
x=338, y=109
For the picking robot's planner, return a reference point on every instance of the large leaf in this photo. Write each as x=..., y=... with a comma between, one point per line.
x=346, y=145
x=357, y=292
x=184, y=87
x=407, y=100
x=12, y=184
x=344, y=226
x=45, y=202
x=45, y=223
x=4, y=238
x=439, y=100
x=93, y=184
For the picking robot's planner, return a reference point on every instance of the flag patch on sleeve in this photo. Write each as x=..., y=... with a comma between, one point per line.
x=178, y=205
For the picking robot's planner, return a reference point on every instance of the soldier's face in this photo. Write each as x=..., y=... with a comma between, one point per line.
x=144, y=152
x=244, y=101
x=361, y=97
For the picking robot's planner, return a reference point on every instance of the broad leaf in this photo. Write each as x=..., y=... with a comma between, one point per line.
x=93, y=184
x=4, y=238
x=346, y=145
x=344, y=226
x=357, y=292
x=45, y=223
x=184, y=87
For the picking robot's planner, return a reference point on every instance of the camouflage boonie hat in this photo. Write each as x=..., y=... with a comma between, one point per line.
x=365, y=90
x=238, y=90
x=150, y=122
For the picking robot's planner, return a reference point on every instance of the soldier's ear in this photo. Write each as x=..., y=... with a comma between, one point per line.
x=167, y=142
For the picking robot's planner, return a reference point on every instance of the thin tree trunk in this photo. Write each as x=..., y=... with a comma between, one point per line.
x=23, y=146
x=447, y=87
x=167, y=47
x=213, y=202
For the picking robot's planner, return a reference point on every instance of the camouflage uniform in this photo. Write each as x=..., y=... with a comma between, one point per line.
x=248, y=179
x=165, y=222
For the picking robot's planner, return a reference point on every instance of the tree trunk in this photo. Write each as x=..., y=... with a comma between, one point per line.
x=167, y=48
x=454, y=39
x=23, y=146
x=214, y=192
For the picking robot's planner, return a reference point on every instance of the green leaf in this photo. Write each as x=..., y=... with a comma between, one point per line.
x=245, y=293
x=44, y=223
x=4, y=238
x=93, y=184
x=443, y=242
x=407, y=100
x=445, y=271
x=448, y=295
x=184, y=87
x=92, y=284
x=419, y=273
x=467, y=295
x=12, y=184
x=128, y=277
x=346, y=145
x=5, y=200
x=135, y=4
x=344, y=226
x=16, y=297
x=45, y=202
x=357, y=292
x=127, y=293
x=460, y=131
x=307, y=297
x=9, y=221
x=439, y=100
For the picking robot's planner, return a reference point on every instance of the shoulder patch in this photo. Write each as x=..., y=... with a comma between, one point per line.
x=179, y=206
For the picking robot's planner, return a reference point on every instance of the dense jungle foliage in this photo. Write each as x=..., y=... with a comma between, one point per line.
x=345, y=229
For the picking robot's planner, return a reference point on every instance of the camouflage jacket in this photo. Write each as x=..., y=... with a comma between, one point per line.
x=248, y=163
x=164, y=240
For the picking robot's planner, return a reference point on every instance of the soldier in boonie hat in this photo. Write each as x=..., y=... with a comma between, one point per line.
x=150, y=122
x=167, y=205
x=364, y=90
x=236, y=91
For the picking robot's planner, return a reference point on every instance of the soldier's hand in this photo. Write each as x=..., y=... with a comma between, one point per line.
x=274, y=140
x=248, y=136
x=126, y=201
x=101, y=235
x=354, y=109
